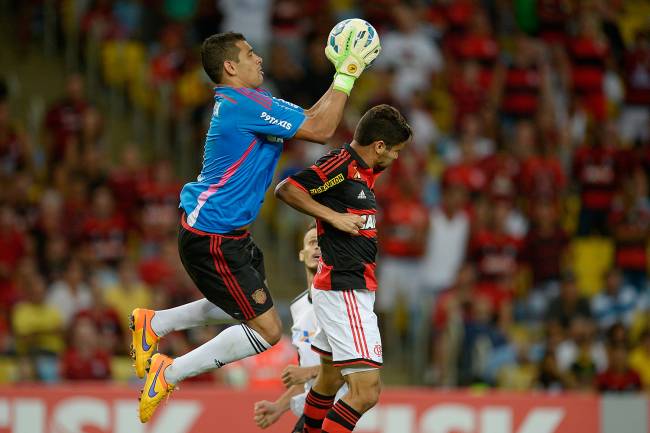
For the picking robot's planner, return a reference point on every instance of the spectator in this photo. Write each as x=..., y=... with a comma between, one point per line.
x=47, y=233
x=545, y=247
x=403, y=232
x=550, y=376
x=522, y=84
x=594, y=167
x=37, y=325
x=478, y=45
x=70, y=294
x=64, y=119
x=15, y=151
x=471, y=145
x=521, y=372
x=553, y=17
x=253, y=18
x=467, y=92
x=168, y=64
x=446, y=242
x=569, y=304
x=317, y=76
x=583, y=369
x=124, y=178
x=105, y=318
x=619, y=377
x=84, y=360
x=104, y=229
x=452, y=309
x=13, y=242
x=617, y=302
x=158, y=205
x=640, y=359
x=414, y=57
x=589, y=54
x=481, y=337
x=465, y=165
x=630, y=222
x=127, y=293
x=542, y=176
x=636, y=73
x=581, y=347
x=496, y=254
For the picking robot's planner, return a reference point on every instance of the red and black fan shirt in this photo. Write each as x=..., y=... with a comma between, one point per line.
x=342, y=181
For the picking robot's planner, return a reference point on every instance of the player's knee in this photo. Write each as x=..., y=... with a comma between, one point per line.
x=269, y=326
x=366, y=394
x=332, y=383
x=274, y=336
x=271, y=332
x=368, y=397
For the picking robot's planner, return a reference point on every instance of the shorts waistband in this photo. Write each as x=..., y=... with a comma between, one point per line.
x=232, y=234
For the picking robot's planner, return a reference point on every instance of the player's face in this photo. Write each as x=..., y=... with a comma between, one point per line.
x=310, y=253
x=385, y=155
x=249, y=68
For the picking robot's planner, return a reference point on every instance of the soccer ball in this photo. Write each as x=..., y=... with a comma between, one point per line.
x=364, y=40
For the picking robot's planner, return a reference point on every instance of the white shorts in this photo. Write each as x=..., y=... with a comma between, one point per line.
x=347, y=329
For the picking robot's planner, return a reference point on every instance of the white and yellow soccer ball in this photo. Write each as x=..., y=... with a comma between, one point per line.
x=352, y=45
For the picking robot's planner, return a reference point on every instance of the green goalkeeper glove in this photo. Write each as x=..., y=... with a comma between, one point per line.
x=361, y=49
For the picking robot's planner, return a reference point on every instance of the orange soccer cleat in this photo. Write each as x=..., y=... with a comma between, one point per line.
x=145, y=340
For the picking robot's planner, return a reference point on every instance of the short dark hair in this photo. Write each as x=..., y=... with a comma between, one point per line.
x=382, y=122
x=218, y=48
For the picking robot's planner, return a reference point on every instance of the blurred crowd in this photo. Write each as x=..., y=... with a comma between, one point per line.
x=514, y=231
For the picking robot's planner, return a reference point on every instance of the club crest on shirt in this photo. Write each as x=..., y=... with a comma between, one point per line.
x=259, y=296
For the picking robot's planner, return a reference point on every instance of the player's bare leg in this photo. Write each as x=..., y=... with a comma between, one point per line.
x=268, y=325
x=320, y=398
x=364, y=388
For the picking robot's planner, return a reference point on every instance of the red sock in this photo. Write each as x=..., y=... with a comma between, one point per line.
x=342, y=418
x=316, y=407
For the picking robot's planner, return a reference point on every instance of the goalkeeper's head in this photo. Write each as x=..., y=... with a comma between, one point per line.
x=381, y=134
x=229, y=59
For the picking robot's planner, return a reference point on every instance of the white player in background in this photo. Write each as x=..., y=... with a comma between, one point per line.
x=298, y=378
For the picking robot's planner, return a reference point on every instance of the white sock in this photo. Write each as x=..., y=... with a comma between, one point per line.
x=197, y=313
x=230, y=345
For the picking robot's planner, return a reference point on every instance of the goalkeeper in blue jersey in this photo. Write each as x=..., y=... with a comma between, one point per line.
x=242, y=147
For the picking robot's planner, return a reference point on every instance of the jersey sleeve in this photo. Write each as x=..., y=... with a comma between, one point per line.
x=262, y=114
x=326, y=174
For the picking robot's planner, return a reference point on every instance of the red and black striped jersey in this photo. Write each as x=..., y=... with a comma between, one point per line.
x=342, y=181
x=521, y=91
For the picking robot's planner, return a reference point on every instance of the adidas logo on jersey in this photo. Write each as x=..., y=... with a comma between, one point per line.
x=362, y=195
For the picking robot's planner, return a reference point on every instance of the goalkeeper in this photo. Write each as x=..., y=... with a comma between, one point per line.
x=241, y=151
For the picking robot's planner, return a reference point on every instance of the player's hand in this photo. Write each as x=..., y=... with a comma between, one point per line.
x=295, y=375
x=353, y=60
x=348, y=223
x=266, y=413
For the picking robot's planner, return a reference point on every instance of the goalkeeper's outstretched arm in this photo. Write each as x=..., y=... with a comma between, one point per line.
x=323, y=117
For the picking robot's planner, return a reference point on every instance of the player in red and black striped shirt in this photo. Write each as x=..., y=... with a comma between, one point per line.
x=339, y=192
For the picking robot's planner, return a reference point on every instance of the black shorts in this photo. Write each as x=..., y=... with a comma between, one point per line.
x=227, y=268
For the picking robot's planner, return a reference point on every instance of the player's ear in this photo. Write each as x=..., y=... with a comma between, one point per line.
x=229, y=67
x=380, y=146
x=301, y=255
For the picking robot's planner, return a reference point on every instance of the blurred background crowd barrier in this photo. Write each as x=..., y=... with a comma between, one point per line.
x=79, y=408
x=513, y=233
